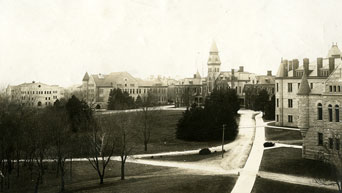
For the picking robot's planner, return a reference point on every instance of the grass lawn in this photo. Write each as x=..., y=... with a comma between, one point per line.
x=163, y=135
x=290, y=161
x=167, y=184
x=269, y=186
x=186, y=158
x=82, y=172
x=281, y=134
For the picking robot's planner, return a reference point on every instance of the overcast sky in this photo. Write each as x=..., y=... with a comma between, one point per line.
x=57, y=41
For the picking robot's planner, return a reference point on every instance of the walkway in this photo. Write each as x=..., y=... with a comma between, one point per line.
x=285, y=128
x=248, y=174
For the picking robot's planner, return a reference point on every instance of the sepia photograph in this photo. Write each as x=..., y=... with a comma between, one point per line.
x=170, y=96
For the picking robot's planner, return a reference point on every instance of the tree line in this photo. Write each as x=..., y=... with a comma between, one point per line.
x=68, y=129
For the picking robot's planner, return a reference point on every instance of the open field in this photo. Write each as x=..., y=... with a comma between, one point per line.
x=139, y=178
x=163, y=135
x=167, y=184
x=283, y=136
x=82, y=172
x=289, y=161
x=269, y=186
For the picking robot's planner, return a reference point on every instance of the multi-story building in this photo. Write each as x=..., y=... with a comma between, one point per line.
x=288, y=81
x=190, y=91
x=261, y=82
x=96, y=88
x=35, y=94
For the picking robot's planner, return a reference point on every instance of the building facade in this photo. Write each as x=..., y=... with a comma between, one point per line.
x=96, y=88
x=288, y=81
x=35, y=94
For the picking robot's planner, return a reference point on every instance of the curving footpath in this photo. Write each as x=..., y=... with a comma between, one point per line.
x=246, y=180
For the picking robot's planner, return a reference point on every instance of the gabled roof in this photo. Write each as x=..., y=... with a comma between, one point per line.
x=113, y=78
x=304, y=88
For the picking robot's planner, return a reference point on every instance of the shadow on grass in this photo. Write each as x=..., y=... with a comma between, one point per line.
x=270, y=186
x=290, y=161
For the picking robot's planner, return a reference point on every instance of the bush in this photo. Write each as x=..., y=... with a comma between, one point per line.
x=204, y=151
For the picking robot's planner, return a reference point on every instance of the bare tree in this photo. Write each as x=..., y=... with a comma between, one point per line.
x=124, y=138
x=101, y=141
x=332, y=157
x=147, y=119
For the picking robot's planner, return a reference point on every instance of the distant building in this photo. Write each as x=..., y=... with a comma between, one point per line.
x=35, y=94
x=261, y=82
x=96, y=88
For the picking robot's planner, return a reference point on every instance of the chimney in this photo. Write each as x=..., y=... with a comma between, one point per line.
x=241, y=69
x=286, y=68
x=306, y=66
x=295, y=64
x=331, y=65
x=269, y=72
x=290, y=65
x=319, y=66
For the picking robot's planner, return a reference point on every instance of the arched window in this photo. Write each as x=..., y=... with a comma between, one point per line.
x=39, y=104
x=337, y=113
x=320, y=111
x=330, y=113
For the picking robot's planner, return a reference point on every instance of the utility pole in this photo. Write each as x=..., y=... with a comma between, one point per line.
x=223, y=128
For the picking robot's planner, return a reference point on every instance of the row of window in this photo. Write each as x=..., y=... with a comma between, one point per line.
x=289, y=118
x=289, y=86
x=330, y=112
x=335, y=88
x=38, y=92
x=289, y=103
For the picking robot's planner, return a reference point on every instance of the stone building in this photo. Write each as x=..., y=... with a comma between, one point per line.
x=288, y=81
x=96, y=88
x=35, y=94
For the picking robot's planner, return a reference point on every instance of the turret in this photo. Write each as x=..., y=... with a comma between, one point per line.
x=214, y=64
x=303, y=105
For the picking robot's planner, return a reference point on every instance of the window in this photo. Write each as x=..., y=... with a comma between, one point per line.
x=320, y=139
x=330, y=113
x=320, y=111
x=331, y=143
x=289, y=87
x=337, y=144
x=277, y=87
x=337, y=113
x=290, y=118
x=298, y=85
x=311, y=85
x=277, y=102
x=330, y=88
x=339, y=89
x=290, y=104
x=334, y=88
x=277, y=118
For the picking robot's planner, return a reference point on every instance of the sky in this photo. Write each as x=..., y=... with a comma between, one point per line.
x=57, y=41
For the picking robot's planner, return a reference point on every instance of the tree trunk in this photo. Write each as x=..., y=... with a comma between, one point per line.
x=37, y=183
x=62, y=179
x=70, y=168
x=145, y=144
x=101, y=179
x=122, y=170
